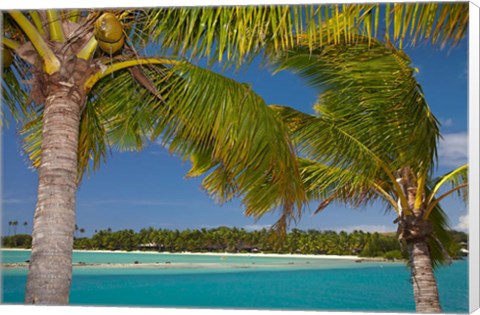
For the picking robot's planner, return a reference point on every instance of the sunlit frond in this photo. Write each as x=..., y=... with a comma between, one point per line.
x=225, y=33
x=455, y=178
x=237, y=33
x=212, y=117
x=32, y=138
x=343, y=144
x=13, y=97
x=329, y=184
x=370, y=89
x=415, y=23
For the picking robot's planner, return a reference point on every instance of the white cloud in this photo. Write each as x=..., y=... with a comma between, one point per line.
x=462, y=223
x=365, y=228
x=453, y=149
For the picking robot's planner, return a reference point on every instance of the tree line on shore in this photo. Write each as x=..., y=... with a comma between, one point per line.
x=235, y=240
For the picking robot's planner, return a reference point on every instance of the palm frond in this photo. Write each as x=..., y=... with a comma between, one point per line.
x=346, y=144
x=370, y=89
x=16, y=93
x=415, y=23
x=227, y=126
x=331, y=184
x=458, y=180
x=455, y=178
x=441, y=239
x=92, y=142
x=238, y=33
x=225, y=33
x=31, y=132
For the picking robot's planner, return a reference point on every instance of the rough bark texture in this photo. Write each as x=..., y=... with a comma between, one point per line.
x=50, y=268
x=424, y=285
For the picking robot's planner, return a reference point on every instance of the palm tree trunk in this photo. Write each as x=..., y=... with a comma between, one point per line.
x=424, y=285
x=50, y=268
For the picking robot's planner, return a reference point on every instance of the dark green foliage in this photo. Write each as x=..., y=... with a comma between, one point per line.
x=17, y=241
x=460, y=237
x=235, y=240
x=394, y=254
x=378, y=245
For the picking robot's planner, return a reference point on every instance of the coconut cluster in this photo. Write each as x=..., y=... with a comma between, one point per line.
x=109, y=33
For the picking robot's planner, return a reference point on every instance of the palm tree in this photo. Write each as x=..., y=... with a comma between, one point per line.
x=80, y=82
x=25, y=223
x=14, y=224
x=374, y=138
x=90, y=89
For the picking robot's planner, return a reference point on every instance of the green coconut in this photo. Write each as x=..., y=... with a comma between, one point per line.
x=7, y=57
x=111, y=48
x=108, y=28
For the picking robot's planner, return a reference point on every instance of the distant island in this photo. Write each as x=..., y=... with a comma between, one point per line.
x=236, y=240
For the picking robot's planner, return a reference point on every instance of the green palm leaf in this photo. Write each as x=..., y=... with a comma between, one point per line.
x=457, y=178
x=210, y=118
x=382, y=104
x=332, y=143
x=330, y=184
x=237, y=34
x=14, y=94
x=225, y=33
x=441, y=240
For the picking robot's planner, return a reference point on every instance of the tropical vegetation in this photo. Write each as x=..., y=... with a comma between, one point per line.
x=238, y=240
x=80, y=82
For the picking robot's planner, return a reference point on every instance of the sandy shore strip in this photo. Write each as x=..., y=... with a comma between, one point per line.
x=348, y=257
x=174, y=265
x=165, y=265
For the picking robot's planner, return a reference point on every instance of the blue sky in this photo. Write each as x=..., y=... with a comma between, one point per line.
x=136, y=190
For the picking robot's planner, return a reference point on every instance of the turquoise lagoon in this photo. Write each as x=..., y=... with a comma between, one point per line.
x=243, y=282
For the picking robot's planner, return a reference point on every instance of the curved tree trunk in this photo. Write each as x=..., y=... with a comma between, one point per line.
x=50, y=269
x=424, y=285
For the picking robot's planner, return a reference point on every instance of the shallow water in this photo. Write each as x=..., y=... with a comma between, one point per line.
x=271, y=283
x=12, y=256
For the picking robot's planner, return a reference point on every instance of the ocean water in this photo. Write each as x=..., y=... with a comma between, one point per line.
x=245, y=282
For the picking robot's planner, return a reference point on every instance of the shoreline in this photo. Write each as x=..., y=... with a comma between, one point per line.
x=182, y=265
x=310, y=256
x=196, y=265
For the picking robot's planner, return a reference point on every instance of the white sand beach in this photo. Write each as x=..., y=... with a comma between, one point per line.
x=348, y=257
x=196, y=265
x=260, y=254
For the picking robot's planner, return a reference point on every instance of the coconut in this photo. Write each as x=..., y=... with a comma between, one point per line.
x=111, y=48
x=108, y=28
x=7, y=57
